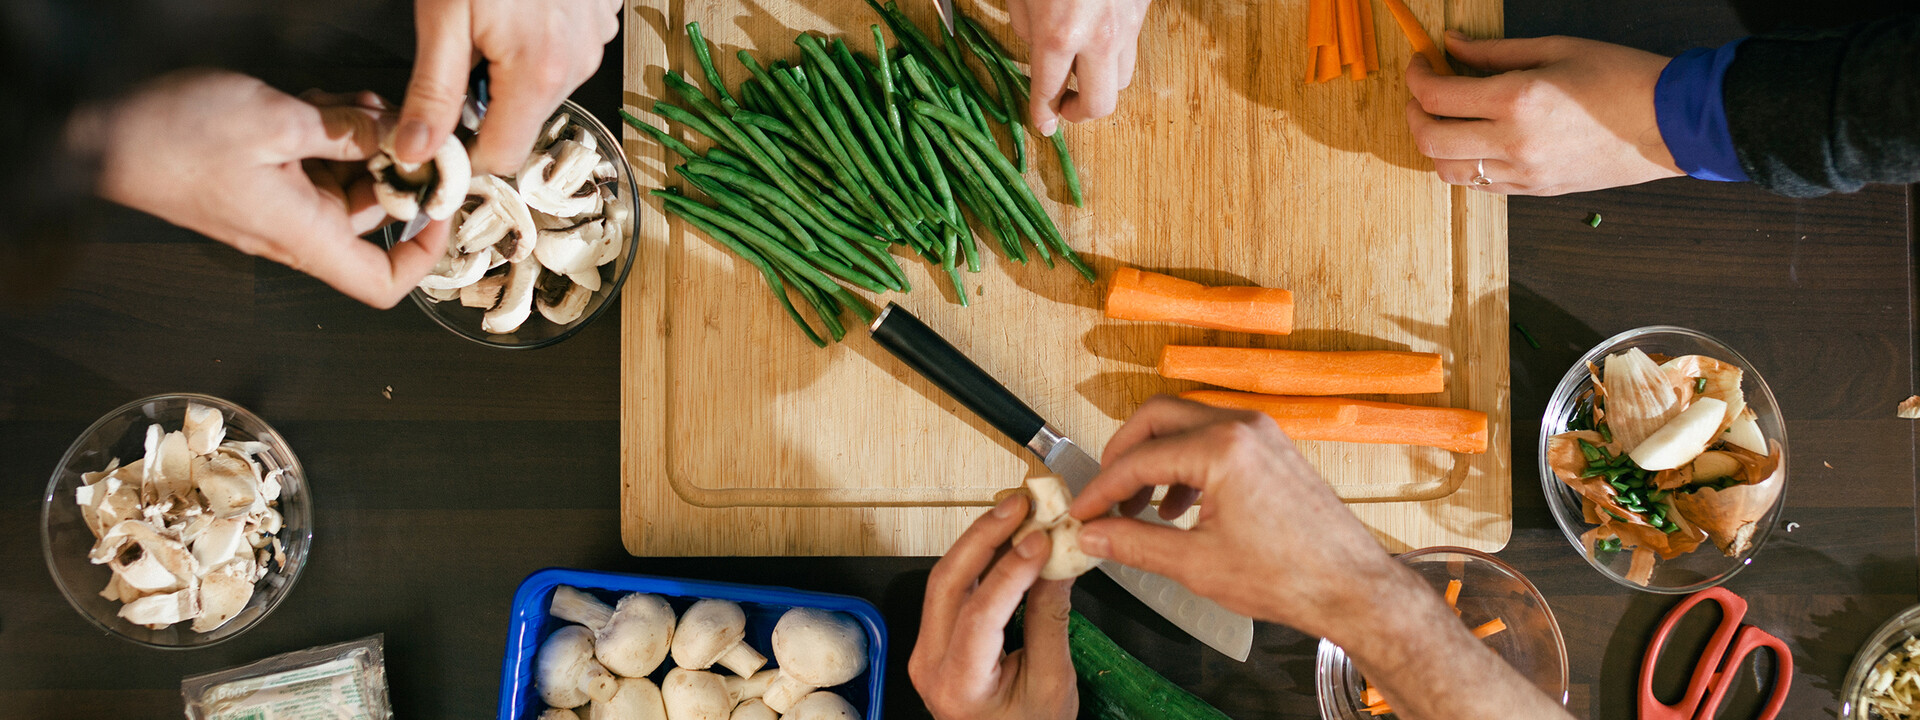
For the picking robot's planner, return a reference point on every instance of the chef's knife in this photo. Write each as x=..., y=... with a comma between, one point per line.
x=471, y=111
x=933, y=357
x=945, y=7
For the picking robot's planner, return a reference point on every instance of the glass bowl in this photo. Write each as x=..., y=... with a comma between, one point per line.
x=65, y=539
x=1706, y=566
x=1896, y=631
x=537, y=331
x=1490, y=589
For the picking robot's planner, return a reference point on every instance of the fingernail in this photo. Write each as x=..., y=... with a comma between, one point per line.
x=1030, y=547
x=1094, y=542
x=1005, y=508
x=1047, y=128
x=414, y=139
x=1456, y=35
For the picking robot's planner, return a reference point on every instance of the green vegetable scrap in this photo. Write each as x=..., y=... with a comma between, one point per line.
x=815, y=169
x=1593, y=220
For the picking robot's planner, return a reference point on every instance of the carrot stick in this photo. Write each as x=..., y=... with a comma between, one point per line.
x=1372, y=696
x=1328, y=62
x=1306, y=372
x=1453, y=593
x=1361, y=421
x=1380, y=709
x=1417, y=35
x=1492, y=627
x=1320, y=24
x=1348, y=22
x=1368, y=50
x=1140, y=295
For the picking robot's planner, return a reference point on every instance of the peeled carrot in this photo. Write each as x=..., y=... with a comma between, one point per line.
x=1347, y=19
x=1328, y=64
x=1306, y=372
x=1369, y=51
x=1417, y=35
x=1361, y=421
x=1140, y=295
x=1492, y=627
x=1320, y=23
x=1453, y=593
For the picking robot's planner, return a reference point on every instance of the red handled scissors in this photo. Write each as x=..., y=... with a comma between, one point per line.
x=1718, y=668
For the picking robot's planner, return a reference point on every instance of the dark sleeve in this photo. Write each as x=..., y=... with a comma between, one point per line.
x=1827, y=111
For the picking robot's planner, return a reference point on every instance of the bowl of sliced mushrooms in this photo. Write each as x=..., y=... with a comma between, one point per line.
x=535, y=257
x=176, y=521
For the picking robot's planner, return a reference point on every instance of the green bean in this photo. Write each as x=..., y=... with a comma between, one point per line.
x=1004, y=87
x=694, y=123
x=660, y=136
x=999, y=191
x=700, y=52
x=877, y=142
x=885, y=260
x=758, y=189
x=951, y=240
x=1022, y=89
x=886, y=81
x=754, y=98
x=722, y=156
x=951, y=70
x=923, y=150
x=772, y=248
x=982, y=199
x=903, y=213
x=839, y=158
x=740, y=206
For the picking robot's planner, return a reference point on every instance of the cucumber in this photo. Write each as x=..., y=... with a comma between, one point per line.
x=1115, y=685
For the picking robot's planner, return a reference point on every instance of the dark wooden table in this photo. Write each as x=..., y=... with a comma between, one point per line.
x=484, y=466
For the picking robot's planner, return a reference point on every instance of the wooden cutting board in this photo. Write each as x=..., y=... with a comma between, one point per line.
x=1221, y=165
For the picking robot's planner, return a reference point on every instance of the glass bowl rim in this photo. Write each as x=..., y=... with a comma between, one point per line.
x=606, y=137
x=1564, y=392
x=271, y=436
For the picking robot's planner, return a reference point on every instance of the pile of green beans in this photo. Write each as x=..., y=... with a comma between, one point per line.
x=1632, y=487
x=819, y=167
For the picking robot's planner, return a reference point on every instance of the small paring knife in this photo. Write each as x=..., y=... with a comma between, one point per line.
x=937, y=360
x=471, y=112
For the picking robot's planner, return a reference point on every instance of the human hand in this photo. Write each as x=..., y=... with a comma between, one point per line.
x=283, y=178
x=957, y=664
x=1271, y=541
x=1094, y=39
x=538, y=52
x=1561, y=115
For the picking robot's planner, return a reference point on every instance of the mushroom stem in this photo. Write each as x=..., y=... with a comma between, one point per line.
x=743, y=660
x=575, y=606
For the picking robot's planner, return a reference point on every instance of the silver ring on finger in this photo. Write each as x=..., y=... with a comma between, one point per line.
x=1480, y=173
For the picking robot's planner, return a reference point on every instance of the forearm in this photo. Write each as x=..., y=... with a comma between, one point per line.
x=1429, y=665
x=1827, y=111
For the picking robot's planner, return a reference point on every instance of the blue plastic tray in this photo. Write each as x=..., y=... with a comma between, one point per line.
x=529, y=625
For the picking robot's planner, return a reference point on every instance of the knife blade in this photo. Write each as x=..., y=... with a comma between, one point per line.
x=946, y=15
x=939, y=361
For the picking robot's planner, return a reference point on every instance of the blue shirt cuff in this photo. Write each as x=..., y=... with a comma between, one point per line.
x=1692, y=117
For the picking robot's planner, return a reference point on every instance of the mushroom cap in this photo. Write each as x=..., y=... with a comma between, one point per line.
x=707, y=630
x=437, y=188
x=753, y=709
x=565, y=672
x=637, y=636
x=635, y=699
x=695, y=695
x=822, y=705
x=821, y=648
x=501, y=220
x=516, y=301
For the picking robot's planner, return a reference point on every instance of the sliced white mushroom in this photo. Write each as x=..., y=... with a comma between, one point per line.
x=456, y=271
x=205, y=428
x=159, y=611
x=228, y=482
x=559, y=180
x=569, y=308
x=436, y=187
x=499, y=220
x=484, y=294
x=223, y=594
x=516, y=300
x=572, y=248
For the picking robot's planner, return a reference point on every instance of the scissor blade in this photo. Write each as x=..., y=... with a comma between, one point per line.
x=414, y=226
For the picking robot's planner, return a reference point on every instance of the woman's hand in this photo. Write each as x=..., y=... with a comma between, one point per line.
x=958, y=664
x=538, y=51
x=1559, y=115
x=1094, y=40
x=276, y=176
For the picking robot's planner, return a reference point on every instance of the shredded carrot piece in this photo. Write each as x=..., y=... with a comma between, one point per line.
x=1453, y=594
x=1492, y=627
x=1372, y=696
x=1368, y=50
x=1417, y=36
x=1380, y=709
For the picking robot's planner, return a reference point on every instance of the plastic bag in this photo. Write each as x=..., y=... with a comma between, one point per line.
x=347, y=681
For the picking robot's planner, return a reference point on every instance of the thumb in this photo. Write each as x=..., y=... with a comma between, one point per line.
x=442, y=59
x=1498, y=55
x=1156, y=549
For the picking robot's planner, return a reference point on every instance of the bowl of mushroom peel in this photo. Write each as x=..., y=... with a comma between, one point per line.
x=532, y=258
x=612, y=646
x=176, y=521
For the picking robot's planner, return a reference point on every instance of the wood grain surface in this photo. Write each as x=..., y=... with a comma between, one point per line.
x=740, y=438
x=484, y=466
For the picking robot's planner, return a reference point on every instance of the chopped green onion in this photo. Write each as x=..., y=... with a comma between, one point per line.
x=1593, y=453
x=1593, y=220
x=1606, y=433
x=1699, y=385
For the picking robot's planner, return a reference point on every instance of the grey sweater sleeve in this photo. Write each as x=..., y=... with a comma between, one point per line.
x=1827, y=111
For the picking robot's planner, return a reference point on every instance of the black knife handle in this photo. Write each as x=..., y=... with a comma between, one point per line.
x=932, y=356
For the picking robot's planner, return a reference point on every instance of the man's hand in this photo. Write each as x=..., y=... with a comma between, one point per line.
x=273, y=175
x=537, y=51
x=1094, y=40
x=1272, y=541
x=1560, y=115
x=958, y=665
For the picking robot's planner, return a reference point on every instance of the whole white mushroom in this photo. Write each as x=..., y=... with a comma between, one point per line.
x=565, y=672
x=714, y=631
x=821, y=705
x=816, y=649
x=695, y=695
